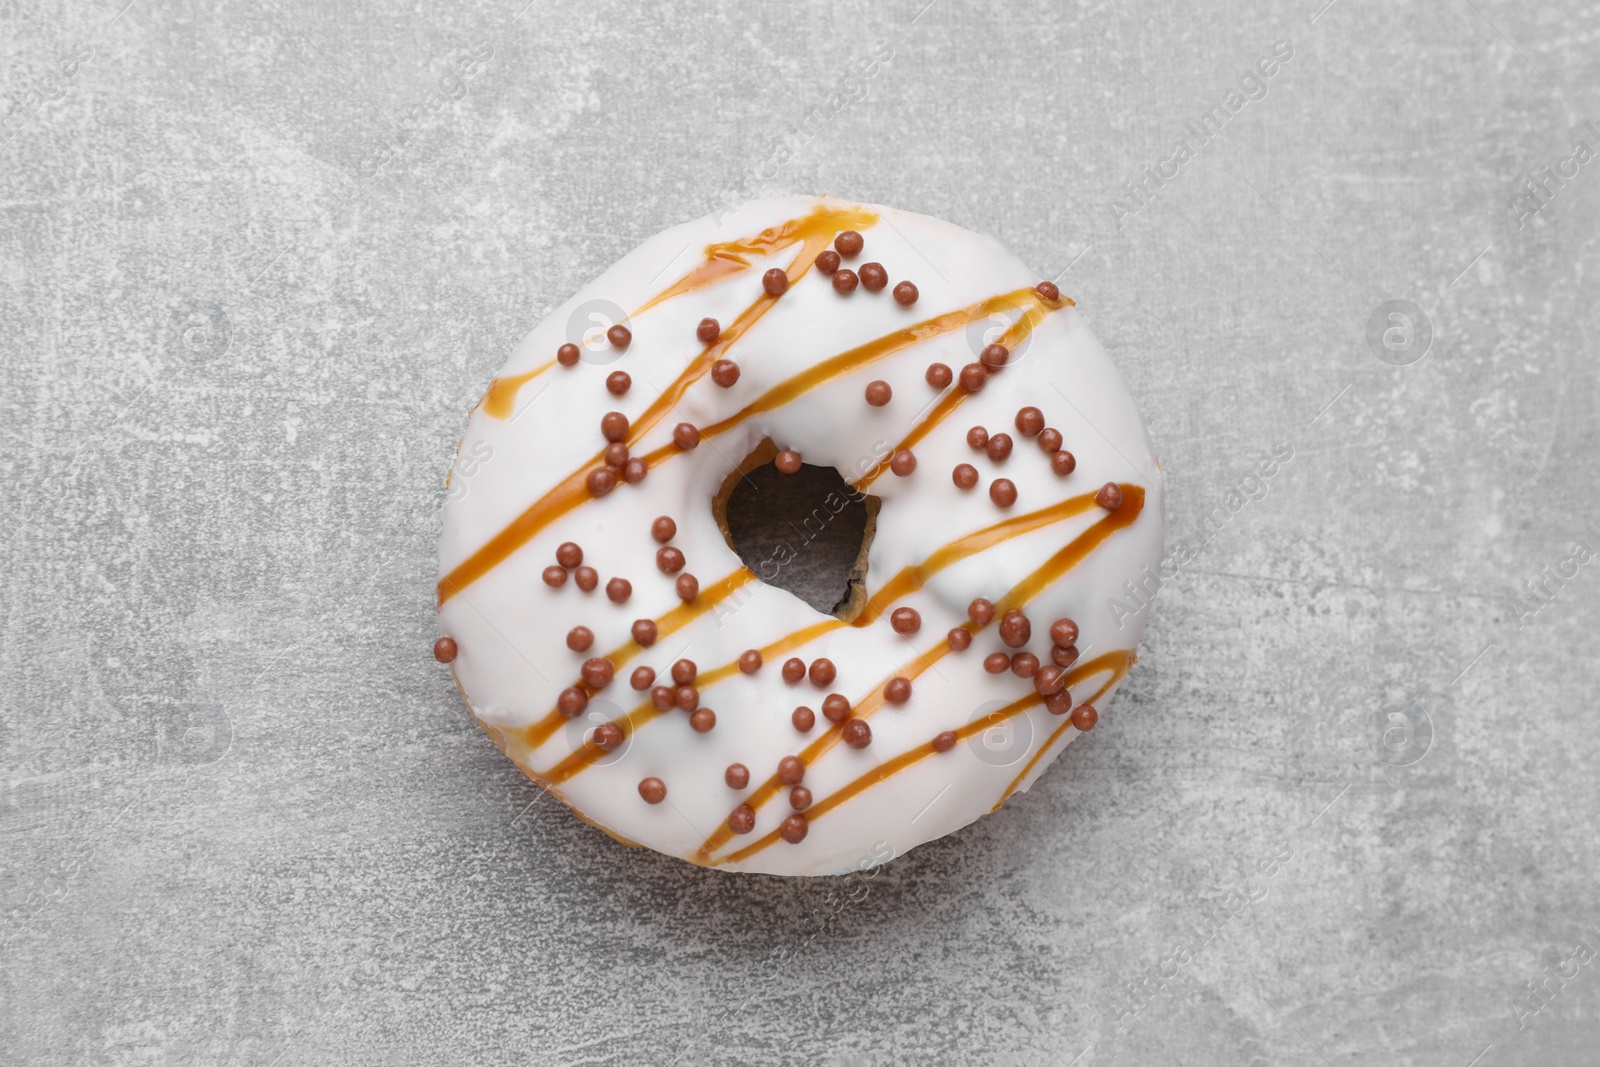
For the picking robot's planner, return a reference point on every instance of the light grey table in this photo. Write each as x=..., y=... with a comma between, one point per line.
x=260, y=257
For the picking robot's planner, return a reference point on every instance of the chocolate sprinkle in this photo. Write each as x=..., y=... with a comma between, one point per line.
x=685, y=435
x=787, y=461
x=822, y=673
x=803, y=719
x=607, y=737
x=1109, y=496
x=618, y=382
x=614, y=425
x=903, y=463
x=444, y=649
x=653, y=790
x=663, y=529
x=939, y=375
x=775, y=281
x=794, y=829
x=1064, y=632
x=644, y=632
x=849, y=243
x=708, y=331
x=572, y=701
x=965, y=476
x=737, y=776
x=898, y=691
x=643, y=678
x=972, y=377
x=1003, y=492
x=568, y=354
x=580, y=638
x=845, y=281
x=878, y=393
x=1015, y=630
x=827, y=261
x=725, y=372
x=790, y=770
x=1050, y=681
x=568, y=554
x=994, y=357
x=586, y=578
x=835, y=707
x=749, y=661
x=1030, y=421
x=619, y=336
x=999, y=447
x=555, y=577
x=684, y=671
x=598, y=672
x=703, y=720
x=997, y=663
x=905, y=620
x=1050, y=440
x=856, y=733
x=793, y=670
x=688, y=587
x=742, y=820
x=1063, y=462
x=670, y=560
x=944, y=741
x=1084, y=717
x=799, y=798
x=1048, y=290
x=618, y=590
x=905, y=294
x=980, y=611
x=874, y=277
x=959, y=638
x=1024, y=664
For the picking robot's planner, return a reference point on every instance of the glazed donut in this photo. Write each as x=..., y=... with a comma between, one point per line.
x=609, y=639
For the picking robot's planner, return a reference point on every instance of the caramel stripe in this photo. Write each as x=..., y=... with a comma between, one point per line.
x=673, y=621
x=582, y=758
x=727, y=258
x=884, y=771
x=573, y=491
x=1052, y=569
x=855, y=359
x=723, y=260
x=908, y=581
x=1118, y=672
x=1014, y=335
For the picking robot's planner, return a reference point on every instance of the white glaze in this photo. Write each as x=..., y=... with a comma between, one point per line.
x=510, y=628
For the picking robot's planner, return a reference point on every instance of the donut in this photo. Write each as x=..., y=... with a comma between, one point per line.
x=606, y=633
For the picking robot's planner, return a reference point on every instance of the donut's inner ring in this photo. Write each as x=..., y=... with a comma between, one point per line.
x=806, y=532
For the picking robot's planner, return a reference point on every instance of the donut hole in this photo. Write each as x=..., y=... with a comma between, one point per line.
x=806, y=533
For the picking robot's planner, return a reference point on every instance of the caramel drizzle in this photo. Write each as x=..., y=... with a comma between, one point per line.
x=723, y=260
x=1119, y=672
x=673, y=621
x=1032, y=315
x=1018, y=596
x=501, y=399
x=867, y=354
x=814, y=232
x=907, y=581
x=1117, y=662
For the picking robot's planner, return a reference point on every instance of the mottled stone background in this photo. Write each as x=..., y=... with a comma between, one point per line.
x=259, y=259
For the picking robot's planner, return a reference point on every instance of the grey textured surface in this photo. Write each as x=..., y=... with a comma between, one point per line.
x=245, y=819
